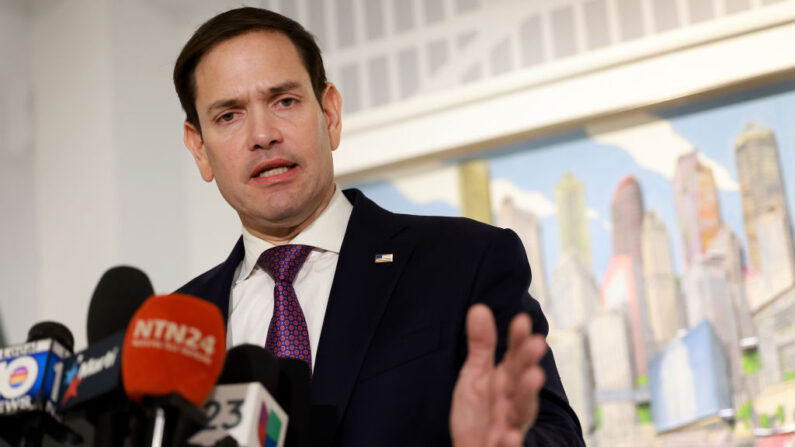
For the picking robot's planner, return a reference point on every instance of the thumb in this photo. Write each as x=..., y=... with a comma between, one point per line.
x=481, y=338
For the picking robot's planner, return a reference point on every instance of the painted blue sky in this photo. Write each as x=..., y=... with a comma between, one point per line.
x=710, y=126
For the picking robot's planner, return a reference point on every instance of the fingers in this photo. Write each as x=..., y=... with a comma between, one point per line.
x=524, y=348
x=510, y=389
x=525, y=401
x=519, y=330
x=511, y=438
x=524, y=377
x=481, y=338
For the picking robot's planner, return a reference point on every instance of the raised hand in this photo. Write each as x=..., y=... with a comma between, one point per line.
x=495, y=405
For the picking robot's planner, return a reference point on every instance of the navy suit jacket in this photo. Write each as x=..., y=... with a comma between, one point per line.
x=393, y=337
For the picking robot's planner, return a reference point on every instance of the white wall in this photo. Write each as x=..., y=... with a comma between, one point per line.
x=77, y=208
x=19, y=297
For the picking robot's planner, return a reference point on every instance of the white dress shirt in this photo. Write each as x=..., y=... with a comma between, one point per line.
x=251, y=300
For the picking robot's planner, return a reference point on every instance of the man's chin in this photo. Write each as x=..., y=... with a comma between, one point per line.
x=283, y=213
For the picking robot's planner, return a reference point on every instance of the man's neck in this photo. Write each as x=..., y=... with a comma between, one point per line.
x=280, y=235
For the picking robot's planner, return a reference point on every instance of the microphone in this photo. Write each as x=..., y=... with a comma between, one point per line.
x=242, y=408
x=53, y=330
x=250, y=363
x=92, y=380
x=96, y=371
x=120, y=292
x=30, y=378
x=294, y=395
x=172, y=356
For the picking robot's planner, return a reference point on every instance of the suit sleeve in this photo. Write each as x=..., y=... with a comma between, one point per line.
x=502, y=283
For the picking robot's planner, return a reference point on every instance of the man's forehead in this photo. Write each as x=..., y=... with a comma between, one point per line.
x=269, y=56
x=261, y=37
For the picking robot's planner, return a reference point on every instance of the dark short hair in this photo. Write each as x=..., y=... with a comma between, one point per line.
x=231, y=24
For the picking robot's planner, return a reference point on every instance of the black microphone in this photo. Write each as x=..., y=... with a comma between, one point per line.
x=119, y=293
x=294, y=396
x=53, y=330
x=92, y=385
x=250, y=363
x=30, y=376
x=244, y=407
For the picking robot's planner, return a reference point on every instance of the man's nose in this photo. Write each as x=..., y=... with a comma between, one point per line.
x=263, y=128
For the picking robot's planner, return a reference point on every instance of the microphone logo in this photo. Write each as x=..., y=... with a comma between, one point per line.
x=18, y=376
x=175, y=337
x=71, y=391
x=262, y=427
x=87, y=368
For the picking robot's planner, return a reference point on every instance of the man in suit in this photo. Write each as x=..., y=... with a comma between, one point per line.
x=382, y=306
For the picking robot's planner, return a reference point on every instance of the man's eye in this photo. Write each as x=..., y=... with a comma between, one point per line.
x=226, y=116
x=286, y=102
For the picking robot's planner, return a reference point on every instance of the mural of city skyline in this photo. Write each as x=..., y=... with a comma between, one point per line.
x=662, y=253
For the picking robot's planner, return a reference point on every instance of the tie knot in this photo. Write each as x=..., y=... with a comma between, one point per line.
x=284, y=261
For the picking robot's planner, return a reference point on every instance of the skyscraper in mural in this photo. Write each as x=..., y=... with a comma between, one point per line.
x=777, y=268
x=573, y=219
x=697, y=205
x=575, y=296
x=622, y=289
x=768, y=229
x=659, y=278
x=729, y=248
x=475, y=194
x=611, y=360
x=708, y=296
x=571, y=349
x=627, y=216
x=526, y=225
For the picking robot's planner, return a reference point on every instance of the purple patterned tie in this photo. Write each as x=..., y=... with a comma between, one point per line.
x=287, y=334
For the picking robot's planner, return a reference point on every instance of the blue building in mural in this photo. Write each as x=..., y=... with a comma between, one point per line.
x=689, y=380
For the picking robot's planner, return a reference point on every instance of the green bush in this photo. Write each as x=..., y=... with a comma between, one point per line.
x=644, y=414
x=764, y=420
x=751, y=362
x=597, y=417
x=744, y=413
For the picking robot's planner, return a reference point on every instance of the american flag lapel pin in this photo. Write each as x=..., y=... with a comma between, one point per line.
x=383, y=257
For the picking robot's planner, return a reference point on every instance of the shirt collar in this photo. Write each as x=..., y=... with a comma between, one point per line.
x=325, y=233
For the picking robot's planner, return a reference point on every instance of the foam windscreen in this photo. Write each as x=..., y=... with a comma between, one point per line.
x=119, y=293
x=54, y=330
x=174, y=344
x=251, y=363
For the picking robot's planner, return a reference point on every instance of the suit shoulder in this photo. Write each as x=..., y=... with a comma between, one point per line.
x=200, y=283
x=212, y=282
x=441, y=228
x=455, y=228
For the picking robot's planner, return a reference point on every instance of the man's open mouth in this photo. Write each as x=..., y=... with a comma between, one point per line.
x=274, y=171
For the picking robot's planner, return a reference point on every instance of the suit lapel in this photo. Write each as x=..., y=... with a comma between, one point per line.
x=216, y=285
x=227, y=273
x=359, y=294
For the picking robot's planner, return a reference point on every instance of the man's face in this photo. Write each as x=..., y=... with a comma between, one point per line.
x=265, y=139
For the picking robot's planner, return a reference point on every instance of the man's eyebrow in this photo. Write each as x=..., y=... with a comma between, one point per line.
x=285, y=87
x=221, y=104
x=275, y=90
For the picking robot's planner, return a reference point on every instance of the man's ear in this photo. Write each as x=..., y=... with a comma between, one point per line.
x=332, y=110
x=195, y=144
